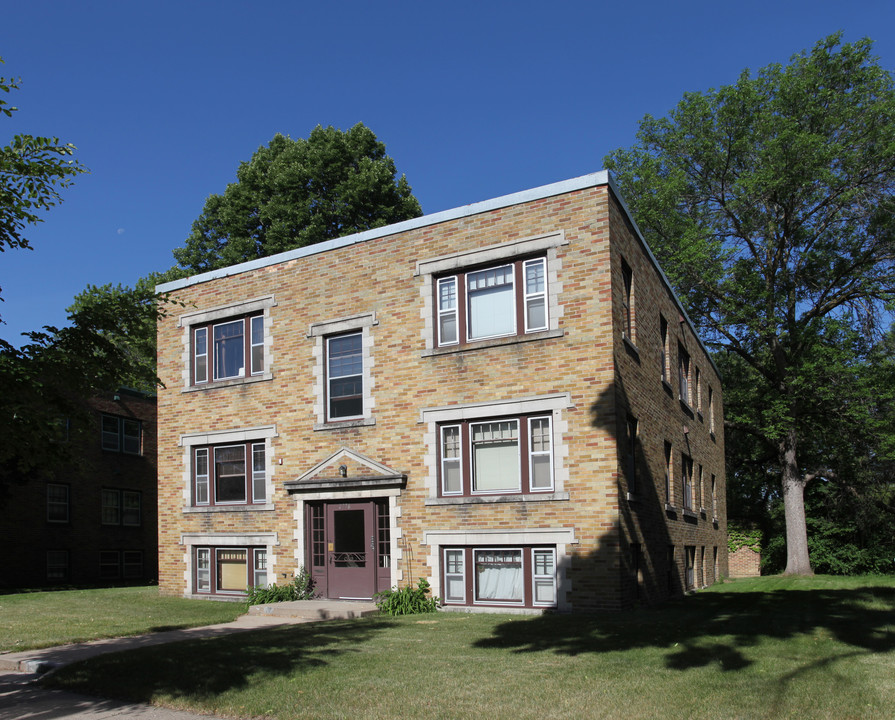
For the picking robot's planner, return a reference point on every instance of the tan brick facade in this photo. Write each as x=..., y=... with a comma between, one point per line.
x=574, y=537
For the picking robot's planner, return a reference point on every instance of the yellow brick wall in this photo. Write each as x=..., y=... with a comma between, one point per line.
x=379, y=276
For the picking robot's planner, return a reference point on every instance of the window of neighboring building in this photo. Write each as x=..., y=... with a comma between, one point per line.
x=715, y=564
x=229, y=570
x=57, y=503
x=683, y=366
x=109, y=564
x=631, y=453
x=711, y=401
x=493, y=302
x=345, y=377
x=521, y=576
x=628, y=302
x=120, y=434
x=687, y=481
x=121, y=507
x=714, y=502
x=132, y=564
x=669, y=479
x=506, y=455
x=697, y=382
x=230, y=474
x=700, y=489
x=57, y=565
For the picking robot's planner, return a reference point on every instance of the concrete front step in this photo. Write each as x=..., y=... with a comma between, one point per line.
x=316, y=609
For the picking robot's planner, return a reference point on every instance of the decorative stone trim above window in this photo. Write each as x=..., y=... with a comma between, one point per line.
x=431, y=269
x=255, y=306
x=326, y=411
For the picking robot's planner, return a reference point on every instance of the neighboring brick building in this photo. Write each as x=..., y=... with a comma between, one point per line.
x=96, y=523
x=505, y=399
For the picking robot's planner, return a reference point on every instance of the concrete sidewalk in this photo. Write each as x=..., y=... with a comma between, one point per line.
x=22, y=698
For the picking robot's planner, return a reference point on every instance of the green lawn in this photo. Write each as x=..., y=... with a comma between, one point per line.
x=767, y=648
x=44, y=619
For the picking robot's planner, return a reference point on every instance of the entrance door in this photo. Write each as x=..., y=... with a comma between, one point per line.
x=351, y=550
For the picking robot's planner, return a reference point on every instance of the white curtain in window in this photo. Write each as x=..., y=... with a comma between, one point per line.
x=495, y=456
x=499, y=576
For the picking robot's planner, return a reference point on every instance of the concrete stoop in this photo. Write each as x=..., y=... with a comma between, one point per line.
x=316, y=609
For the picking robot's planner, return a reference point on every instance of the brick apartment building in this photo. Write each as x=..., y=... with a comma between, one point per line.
x=95, y=523
x=505, y=399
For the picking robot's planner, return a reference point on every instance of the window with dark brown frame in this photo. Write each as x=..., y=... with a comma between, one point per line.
x=509, y=576
x=231, y=474
x=628, y=302
x=492, y=302
x=501, y=456
x=229, y=570
x=228, y=350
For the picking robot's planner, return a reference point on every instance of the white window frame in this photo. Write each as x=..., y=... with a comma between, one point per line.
x=214, y=350
x=259, y=567
x=255, y=344
x=503, y=602
x=330, y=377
x=444, y=460
x=532, y=452
x=528, y=298
x=474, y=488
x=447, y=312
x=469, y=298
x=540, y=579
x=203, y=570
x=461, y=575
x=202, y=332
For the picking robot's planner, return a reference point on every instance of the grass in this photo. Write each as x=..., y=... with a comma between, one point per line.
x=766, y=648
x=44, y=619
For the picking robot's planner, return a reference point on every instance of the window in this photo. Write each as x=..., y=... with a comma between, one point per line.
x=700, y=489
x=120, y=434
x=711, y=410
x=698, y=390
x=663, y=330
x=627, y=302
x=221, y=475
x=631, y=454
x=689, y=566
x=121, y=507
x=57, y=564
x=493, y=302
x=507, y=455
x=109, y=564
x=57, y=503
x=132, y=564
x=715, y=564
x=714, y=503
x=229, y=570
x=522, y=576
x=683, y=373
x=345, y=384
x=687, y=480
x=228, y=350
x=669, y=480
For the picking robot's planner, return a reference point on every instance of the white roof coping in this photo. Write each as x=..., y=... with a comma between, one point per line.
x=560, y=188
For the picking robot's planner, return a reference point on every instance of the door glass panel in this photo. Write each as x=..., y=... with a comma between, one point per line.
x=349, y=548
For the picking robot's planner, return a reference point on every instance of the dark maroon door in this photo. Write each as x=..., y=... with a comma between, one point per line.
x=351, y=550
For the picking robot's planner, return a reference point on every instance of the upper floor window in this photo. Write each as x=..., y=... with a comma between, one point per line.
x=345, y=377
x=663, y=331
x=683, y=374
x=57, y=503
x=506, y=456
x=228, y=344
x=711, y=403
x=669, y=478
x=493, y=302
x=631, y=453
x=228, y=350
x=230, y=474
x=121, y=507
x=120, y=434
x=687, y=480
x=627, y=301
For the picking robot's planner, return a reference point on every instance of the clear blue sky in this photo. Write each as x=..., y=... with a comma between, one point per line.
x=473, y=100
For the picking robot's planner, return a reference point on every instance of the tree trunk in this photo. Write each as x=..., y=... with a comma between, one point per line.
x=797, y=562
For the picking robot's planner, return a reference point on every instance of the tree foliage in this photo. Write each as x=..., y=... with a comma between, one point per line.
x=33, y=170
x=769, y=203
x=294, y=193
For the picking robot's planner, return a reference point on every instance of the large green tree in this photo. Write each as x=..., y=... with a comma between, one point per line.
x=769, y=204
x=293, y=193
x=33, y=170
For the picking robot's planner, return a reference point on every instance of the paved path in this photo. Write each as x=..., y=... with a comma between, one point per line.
x=21, y=698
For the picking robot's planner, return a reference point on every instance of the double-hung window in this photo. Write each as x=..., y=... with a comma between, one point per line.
x=687, y=480
x=492, y=302
x=499, y=456
x=121, y=507
x=57, y=503
x=121, y=434
x=345, y=376
x=683, y=366
x=229, y=474
x=521, y=576
x=228, y=350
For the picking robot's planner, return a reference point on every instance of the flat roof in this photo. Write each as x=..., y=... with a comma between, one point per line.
x=560, y=188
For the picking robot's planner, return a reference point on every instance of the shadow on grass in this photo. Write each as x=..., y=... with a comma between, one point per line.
x=713, y=628
x=205, y=668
